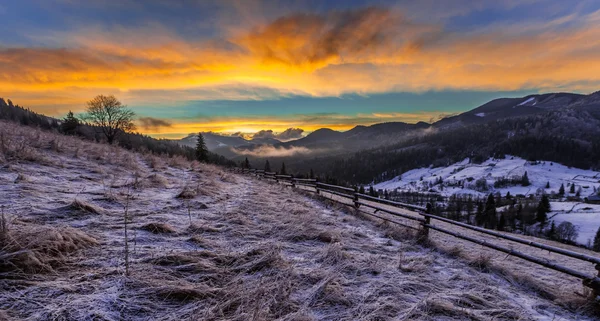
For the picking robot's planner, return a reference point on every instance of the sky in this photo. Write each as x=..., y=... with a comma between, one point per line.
x=233, y=66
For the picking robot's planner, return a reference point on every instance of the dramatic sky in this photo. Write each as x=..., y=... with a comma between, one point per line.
x=248, y=65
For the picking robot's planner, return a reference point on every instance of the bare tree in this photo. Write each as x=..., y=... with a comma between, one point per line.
x=108, y=113
x=566, y=231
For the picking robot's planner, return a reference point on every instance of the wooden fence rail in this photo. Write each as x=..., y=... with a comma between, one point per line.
x=422, y=215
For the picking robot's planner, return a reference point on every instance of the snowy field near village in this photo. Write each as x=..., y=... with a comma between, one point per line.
x=204, y=244
x=585, y=216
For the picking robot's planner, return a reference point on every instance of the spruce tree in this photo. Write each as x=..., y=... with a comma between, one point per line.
x=282, y=171
x=312, y=174
x=596, y=244
x=572, y=189
x=548, y=185
x=246, y=163
x=542, y=210
x=361, y=190
x=201, y=150
x=372, y=191
x=491, y=217
x=525, y=180
x=267, y=166
x=69, y=124
x=501, y=222
x=561, y=190
x=479, y=215
x=552, y=231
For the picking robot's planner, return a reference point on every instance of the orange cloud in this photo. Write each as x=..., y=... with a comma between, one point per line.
x=369, y=50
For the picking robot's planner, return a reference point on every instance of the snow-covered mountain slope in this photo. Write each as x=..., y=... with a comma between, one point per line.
x=462, y=177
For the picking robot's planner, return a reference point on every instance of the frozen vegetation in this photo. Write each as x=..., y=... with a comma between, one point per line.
x=544, y=177
x=94, y=232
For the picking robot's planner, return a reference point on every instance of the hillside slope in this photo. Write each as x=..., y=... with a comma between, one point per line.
x=208, y=245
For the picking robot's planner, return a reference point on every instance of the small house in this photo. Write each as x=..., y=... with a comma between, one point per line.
x=593, y=199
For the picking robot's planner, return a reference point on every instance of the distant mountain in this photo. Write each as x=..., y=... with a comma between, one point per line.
x=517, y=107
x=561, y=127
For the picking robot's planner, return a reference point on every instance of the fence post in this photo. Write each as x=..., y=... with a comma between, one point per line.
x=356, y=205
x=317, y=185
x=293, y=182
x=425, y=231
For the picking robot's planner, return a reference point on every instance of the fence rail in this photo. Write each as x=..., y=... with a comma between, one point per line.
x=422, y=215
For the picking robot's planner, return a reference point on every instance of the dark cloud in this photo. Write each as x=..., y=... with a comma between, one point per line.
x=290, y=134
x=151, y=123
x=264, y=134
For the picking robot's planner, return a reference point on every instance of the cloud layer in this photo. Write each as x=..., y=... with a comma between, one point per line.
x=271, y=53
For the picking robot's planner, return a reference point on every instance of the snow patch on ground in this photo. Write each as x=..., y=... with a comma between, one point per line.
x=480, y=114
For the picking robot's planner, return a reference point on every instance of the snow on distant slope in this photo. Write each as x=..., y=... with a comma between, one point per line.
x=480, y=114
x=539, y=173
x=527, y=101
x=585, y=216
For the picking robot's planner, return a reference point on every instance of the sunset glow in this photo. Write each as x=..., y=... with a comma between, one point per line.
x=244, y=66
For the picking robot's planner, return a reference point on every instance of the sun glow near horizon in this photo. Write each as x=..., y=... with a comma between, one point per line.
x=220, y=74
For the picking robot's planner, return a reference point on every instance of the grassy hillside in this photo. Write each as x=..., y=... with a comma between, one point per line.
x=97, y=232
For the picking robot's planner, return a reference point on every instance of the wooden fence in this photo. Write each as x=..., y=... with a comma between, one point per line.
x=423, y=217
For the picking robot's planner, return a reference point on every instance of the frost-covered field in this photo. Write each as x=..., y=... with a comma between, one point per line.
x=585, y=216
x=209, y=245
x=492, y=169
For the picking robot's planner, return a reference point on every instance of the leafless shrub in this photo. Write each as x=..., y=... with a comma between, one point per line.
x=178, y=162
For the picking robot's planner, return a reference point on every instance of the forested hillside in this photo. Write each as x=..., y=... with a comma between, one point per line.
x=570, y=136
x=133, y=141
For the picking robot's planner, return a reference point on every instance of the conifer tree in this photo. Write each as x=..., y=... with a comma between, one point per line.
x=491, y=217
x=572, y=189
x=548, y=185
x=525, y=180
x=479, y=216
x=542, y=210
x=312, y=174
x=372, y=191
x=69, y=124
x=246, y=163
x=201, y=150
x=596, y=244
x=561, y=190
x=267, y=166
x=361, y=190
x=501, y=222
x=282, y=171
x=552, y=231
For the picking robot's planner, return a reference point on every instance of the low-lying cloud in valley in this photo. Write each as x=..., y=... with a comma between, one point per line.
x=272, y=151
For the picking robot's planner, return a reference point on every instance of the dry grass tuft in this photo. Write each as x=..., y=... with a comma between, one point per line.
x=84, y=207
x=187, y=193
x=38, y=249
x=333, y=254
x=158, y=228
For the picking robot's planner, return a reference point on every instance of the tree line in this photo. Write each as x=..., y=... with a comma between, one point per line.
x=106, y=120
